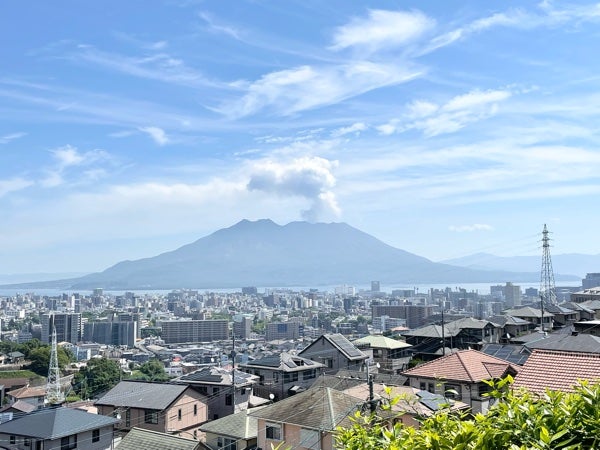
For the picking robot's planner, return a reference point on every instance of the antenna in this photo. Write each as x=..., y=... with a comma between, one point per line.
x=54, y=395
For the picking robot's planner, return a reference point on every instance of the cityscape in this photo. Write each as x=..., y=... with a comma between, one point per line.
x=255, y=224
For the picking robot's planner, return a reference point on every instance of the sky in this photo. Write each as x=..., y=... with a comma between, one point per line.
x=443, y=128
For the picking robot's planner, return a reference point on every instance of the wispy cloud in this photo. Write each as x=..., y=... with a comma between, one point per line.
x=302, y=88
x=310, y=178
x=470, y=228
x=382, y=29
x=13, y=185
x=11, y=137
x=355, y=128
x=156, y=66
x=433, y=119
x=215, y=27
x=67, y=157
x=158, y=135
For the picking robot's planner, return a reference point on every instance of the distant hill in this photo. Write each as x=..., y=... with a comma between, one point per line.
x=569, y=263
x=36, y=277
x=262, y=253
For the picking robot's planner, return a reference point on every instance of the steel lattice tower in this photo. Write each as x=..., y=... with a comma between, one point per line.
x=54, y=395
x=547, y=286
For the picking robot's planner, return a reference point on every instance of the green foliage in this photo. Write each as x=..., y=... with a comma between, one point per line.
x=100, y=375
x=516, y=421
x=153, y=370
x=40, y=359
x=18, y=374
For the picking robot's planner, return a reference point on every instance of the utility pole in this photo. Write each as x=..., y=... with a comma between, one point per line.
x=233, y=369
x=443, y=330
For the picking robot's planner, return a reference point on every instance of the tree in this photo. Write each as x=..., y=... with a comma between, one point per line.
x=154, y=370
x=517, y=421
x=100, y=375
x=40, y=359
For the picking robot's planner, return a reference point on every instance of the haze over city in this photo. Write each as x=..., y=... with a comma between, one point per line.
x=442, y=128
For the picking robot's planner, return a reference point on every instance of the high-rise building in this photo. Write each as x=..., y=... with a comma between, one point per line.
x=68, y=327
x=512, y=295
x=591, y=280
x=242, y=327
x=111, y=333
x=283, y=331
x=182, y=331
x=375, y=286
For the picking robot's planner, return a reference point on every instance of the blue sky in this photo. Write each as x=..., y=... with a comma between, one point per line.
x=443, y=128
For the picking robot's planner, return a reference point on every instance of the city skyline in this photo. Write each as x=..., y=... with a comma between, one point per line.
x=443, y=129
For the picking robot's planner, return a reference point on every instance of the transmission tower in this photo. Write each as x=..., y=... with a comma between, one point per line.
x=54, y=395
x=547, y=287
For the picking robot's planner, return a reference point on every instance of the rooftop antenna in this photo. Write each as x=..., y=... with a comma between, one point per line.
x=54, y=395
x=547, y=286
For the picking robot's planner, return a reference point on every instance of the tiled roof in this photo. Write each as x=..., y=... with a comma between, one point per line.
x=584, y=343
x=27, y=392
x=374, y=341
x=527, y=311
x=138, y=394
x=55, y=423
x=466, y=365
x=556, y=370
x=139, y=438
x=504, y=320
x=284, y=362
x=318, y=409
x=240, y=425
x=432, y=331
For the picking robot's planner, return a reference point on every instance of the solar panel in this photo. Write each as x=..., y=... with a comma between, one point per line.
x=345, y=345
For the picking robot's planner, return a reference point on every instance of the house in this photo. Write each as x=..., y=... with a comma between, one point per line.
x=583, y=312
x=139, y=438
x=533, y=315
x=410, y=405
x=557, y=370
x=307, y=420
x=32, y=395
x=58, y=428
x=283, y=374
x=232, y=432
x=163, y=407
x=461, y=376
x=572, y=342
x=335, y=352
x=216, y=383
x=512, y=326
x=392, y=355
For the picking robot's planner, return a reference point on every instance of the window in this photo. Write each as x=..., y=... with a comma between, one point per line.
x=228, y=400
x=150, y=416
x=128, y=418
x=308, y=374
x=68, y=442
x=27, y=442
x=452, y=391
x=95, y=435
x=13, y=439
x=216, y=391
x=179, y=414
x=203, y=390
x=273, y=432
x=226, y=443
x=195, y=409
x=431, y=388
x=290, y=377
x=422, y=385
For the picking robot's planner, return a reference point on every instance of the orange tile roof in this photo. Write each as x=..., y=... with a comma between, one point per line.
x=559, y=371
x=466, y=365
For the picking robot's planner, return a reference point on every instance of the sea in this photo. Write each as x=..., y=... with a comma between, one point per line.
x=480, y=288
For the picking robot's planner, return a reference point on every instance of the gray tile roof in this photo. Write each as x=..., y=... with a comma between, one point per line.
x=54, y=423
x=240, y=425
x=585, y=343
x=138, y=439
x=139, y=394
x=317, y=409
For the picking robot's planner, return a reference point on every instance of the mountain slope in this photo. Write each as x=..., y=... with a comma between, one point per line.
x=262, y=253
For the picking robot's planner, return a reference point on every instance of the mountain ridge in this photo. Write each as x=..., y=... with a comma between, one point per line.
x=263, y=253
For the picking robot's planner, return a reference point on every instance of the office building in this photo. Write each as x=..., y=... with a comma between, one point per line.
x=182, y=331
x=68, y=327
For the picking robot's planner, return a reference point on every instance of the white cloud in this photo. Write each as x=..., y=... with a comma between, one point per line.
x=306, y=87
x=470, y=228
x=355, y=128
x=158, y=135
x=382, y=29
x=455, y=114
x=13, y=185
x=310, y=178
x=11, y=137
x=218, y=28
x=68, y=157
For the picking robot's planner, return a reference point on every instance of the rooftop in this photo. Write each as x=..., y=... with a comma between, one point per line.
x=139, y=394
